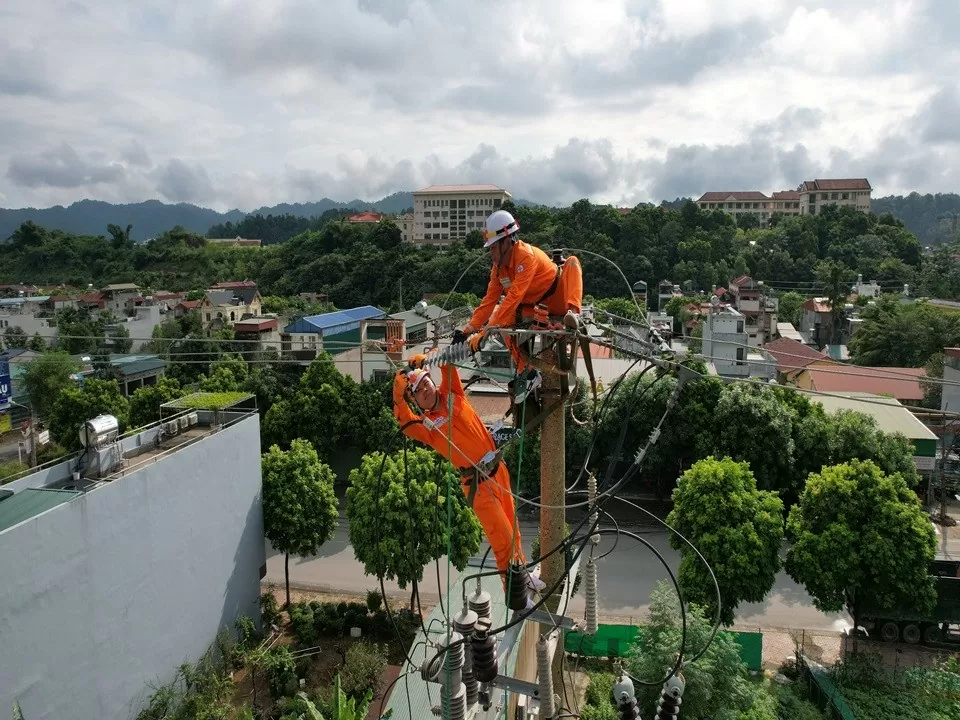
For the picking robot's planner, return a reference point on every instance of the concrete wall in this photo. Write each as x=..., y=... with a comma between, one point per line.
x=111, y=591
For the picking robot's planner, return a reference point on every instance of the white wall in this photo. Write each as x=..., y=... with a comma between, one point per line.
x=110, y=592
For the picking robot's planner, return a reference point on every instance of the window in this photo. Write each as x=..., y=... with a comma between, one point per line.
x=739, y=326
x=845, y=196
x=741, y=355
x=208, y=317
x=380, y=376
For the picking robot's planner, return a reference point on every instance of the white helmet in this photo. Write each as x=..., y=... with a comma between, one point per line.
x=499, y=225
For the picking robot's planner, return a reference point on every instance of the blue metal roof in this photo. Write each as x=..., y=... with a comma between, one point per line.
x=333, y=323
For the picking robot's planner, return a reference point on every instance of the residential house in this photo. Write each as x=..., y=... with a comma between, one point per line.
x=423, y=321
x=332, y=332
x=28, y=314
x=223, y=307
x=186, y=306
x=366, y=216
x=446, y=213
x=137, y=371
x=791, y=356
x=758, y=307
x=12, y=291
x=233, y=285
x=169, y=299
x=263, y=328
x=852, y=192
x=236, y=242
x=726, y=349
x=903, y=383
x=115, y=296
x=56, y=302
x=107, y=544
x=816, y=322
x=92, y=301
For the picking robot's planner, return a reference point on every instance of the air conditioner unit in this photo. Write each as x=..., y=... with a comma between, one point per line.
x=184, y=422
x=192, y=419
x=171, y=427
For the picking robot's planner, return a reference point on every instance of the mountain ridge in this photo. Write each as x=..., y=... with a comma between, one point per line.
x=922, y=214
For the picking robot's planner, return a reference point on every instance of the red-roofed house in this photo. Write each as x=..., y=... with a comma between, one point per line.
x=365, y=217
x=854, y=192
x=902, y=383
x=92, y=301
x=234, y=285
x=791, y=357
x=264, y=329
x=816, y=321
x=185, y=306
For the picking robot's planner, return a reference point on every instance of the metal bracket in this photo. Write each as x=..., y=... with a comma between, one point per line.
x=545, y=618
x=516, y=685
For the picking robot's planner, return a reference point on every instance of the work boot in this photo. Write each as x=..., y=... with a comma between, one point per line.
x=571, y=320
x=533, y=381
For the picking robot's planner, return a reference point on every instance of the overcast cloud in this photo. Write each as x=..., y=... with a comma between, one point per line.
x=244, y=103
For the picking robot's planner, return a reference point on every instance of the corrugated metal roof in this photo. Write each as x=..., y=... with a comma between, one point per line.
x=335, y=322
x=891, y=416
x=423, y=695
x=30, y=503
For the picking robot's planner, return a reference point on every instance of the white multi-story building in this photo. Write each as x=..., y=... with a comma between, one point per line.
x=443, y=214
x=726, y=346
x=802, y=201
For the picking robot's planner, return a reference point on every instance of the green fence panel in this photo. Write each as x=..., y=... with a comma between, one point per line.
x=615, y=641
x=826, y=695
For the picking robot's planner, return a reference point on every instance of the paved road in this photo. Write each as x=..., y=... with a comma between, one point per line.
x=626, y=578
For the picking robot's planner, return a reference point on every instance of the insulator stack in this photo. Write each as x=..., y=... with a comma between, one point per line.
x=484, y=649
x=545, y=680
x=455, y=705
x=627, y=709
x=592, y=499
x=464, y=623
x=481, y=603
x=590, y=592
x=517, y=586
x=450, y=354
x=668, y=707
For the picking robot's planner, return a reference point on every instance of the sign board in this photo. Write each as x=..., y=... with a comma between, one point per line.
x=5, y=388
x=502, y=435
x=43, y=437
x=925, y=463
x=5, y=424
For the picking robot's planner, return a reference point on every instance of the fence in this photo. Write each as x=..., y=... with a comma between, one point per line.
x=615, y=641
x=822, y=692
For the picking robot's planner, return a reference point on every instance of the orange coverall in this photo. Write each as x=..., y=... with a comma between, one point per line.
x=493, y=503
x=526, y=277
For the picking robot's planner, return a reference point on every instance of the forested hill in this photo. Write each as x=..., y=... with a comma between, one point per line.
x=149, y=219
x=923, y=214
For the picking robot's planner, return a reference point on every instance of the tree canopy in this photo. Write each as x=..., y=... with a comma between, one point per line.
x=399, y=520
x=857, y=529
x=75, y=405
x=300, y=509
x=736, y=527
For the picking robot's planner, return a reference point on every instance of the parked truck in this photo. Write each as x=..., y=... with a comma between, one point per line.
x=904, y=625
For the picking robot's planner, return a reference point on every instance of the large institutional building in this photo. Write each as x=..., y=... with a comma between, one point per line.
x=805, y=200
x=443, y=214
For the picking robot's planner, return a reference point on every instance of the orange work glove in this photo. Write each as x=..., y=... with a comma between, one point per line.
x=475, y=341
x=416, y=361
x=400, y=386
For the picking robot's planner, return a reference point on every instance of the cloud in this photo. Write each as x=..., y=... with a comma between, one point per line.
x=61, y=167
x=178, y=182
x=616, y=100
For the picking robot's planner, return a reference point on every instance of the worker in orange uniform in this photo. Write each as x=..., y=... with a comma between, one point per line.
x=464, y=440
x=529, y=278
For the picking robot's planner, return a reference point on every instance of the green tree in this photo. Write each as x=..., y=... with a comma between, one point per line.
x=146, y=401
x=46, y=377
x=621, y=307
x=14, y=337
x=857, y=530
x=834, y=280
x=736, y=527
x=398, y=519
x=716, y=686
x=903, y=335
x=788, y=307
x=37, y=344
x=856, y=436
x=300, y=511
x=752, y=425
x=75, y=405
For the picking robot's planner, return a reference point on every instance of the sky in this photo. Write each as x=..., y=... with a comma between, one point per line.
x=245, y=103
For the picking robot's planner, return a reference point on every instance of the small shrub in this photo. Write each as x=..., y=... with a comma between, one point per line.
x=248, y=637
x=598, y=705
x=303, y=624
x=792, y=705
x=363, y=668
x=281, y=671
x=269, y=611
x=374, y=601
